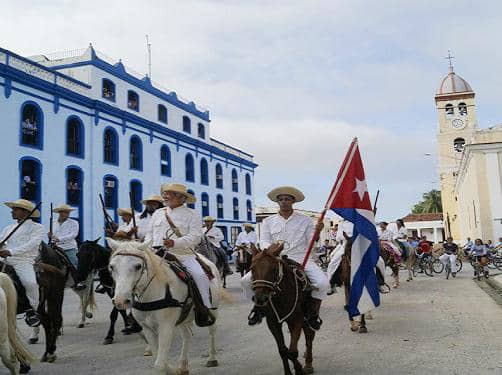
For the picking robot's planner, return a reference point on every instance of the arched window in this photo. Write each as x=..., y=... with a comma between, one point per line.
x=236, y=208
x=459, y=144
x=204, y=173
x=201, y=131
x=204, y=199
x=137, y=194
x=108, y=91
x=449, y=109
x=249, y=211
x=162, y=113
x=110, y=147
x=235, y=181
x=74, y=137
x=248, y=184
x=462, y=109
x=189, y=168
x=32, y=125
x=74, y=180
x=111, y=191
x=165, y=161
x=30, y=179
x=219, y=206
x=136, y=153
x=187, y=125
x=219, y=176
x=191, y=205
x=132, y=100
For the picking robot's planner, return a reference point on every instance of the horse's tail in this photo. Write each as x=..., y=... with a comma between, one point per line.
x=22, y=352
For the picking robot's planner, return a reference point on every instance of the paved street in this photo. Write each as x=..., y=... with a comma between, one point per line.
x=431, y=325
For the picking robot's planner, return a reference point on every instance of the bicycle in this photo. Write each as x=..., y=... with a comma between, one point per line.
x=424, y=264
x=439, y=267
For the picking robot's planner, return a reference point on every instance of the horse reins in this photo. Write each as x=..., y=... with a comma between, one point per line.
x=143, y=269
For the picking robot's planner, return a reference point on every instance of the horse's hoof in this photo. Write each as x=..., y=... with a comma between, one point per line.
x=354, y=328
x=81, y=325
x=147, y=353
x=212, y=363
x=51, y=358
x=181, y=372
x=44, y=358
x=108, y=341
x=308, y=369
x=363, y=329
x=88, y=315
x=33, y=340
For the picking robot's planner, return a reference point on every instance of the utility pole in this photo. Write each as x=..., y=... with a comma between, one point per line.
x=149, y=48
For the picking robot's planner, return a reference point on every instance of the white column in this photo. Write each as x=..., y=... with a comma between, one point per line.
x=419, y=232
x=495, y=191
x=434, y=229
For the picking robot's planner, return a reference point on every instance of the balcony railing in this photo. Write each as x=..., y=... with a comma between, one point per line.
x=231, y=150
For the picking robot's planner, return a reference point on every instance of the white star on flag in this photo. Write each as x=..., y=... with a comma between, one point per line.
x=361, y=188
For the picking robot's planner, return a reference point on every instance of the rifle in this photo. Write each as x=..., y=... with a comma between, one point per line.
x=108, y=219
x=375, y=204
x=51, y=224
x=19, y=225
x=131, y=200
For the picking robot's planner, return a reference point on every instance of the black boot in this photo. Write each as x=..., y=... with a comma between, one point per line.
x=203, y=315
x=312, y=318
x=255, y=316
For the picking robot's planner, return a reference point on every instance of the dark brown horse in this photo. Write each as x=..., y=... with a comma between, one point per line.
x=280, y=291
x=390, y=261
x=243, y=259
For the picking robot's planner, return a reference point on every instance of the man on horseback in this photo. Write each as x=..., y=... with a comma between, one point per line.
x=65, y=232
x=20, y=251
x=386, y=237
x=143, y=221
x=214, y=236
x=175, y=231
x=247, y=236
x=294, y=230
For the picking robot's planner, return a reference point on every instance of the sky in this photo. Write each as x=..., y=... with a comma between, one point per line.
x=292, y=82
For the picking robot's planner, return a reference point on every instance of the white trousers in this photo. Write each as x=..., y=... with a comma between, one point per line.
x=317, y=277
x=452, y=258
x=27, y=276
x=336, y=259
x=199, y=276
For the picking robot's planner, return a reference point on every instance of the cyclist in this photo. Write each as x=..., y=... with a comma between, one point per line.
x=479, y=251
x=424, y=250
x=450, y=255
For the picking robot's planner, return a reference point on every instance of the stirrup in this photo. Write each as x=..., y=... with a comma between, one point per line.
x=314, y=323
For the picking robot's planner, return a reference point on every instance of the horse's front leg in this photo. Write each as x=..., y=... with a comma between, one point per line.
x=396, y=278
x=34, y=335
x=166, y=323
x=295, y=328
x=362, y=326
x=276, y=329
x=354, y=325
x=186, y=335
x=111, y=331
x=309, y=340
x=212, y=361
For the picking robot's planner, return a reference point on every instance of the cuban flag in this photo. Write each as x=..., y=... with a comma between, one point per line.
x=350, y=200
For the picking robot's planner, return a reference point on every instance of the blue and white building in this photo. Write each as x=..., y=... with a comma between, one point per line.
x=78, y=125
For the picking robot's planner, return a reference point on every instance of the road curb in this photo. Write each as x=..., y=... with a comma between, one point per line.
x=494, y=283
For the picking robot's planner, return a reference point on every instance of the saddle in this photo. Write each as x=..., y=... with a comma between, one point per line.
x=299, y=273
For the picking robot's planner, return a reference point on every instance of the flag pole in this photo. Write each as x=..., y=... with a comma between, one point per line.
x=334, y=190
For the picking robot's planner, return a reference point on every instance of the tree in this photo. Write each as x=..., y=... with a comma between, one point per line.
x=430, y=204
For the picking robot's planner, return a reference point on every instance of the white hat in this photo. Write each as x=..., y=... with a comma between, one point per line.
x=25, y=205
x=286, y=190
x=63, y=208
x=180, y=189
x=208, y=218
x=124, y=211
x=248, y=225
x=153, y=198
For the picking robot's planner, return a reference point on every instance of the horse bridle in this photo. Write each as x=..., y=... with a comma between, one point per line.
x=143, y=270
x=272, y=285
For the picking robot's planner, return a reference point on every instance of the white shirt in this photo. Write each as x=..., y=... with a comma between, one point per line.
x=124, y=227
x=296, y=231
x=66, y=232
x=23, y=244
x=386, y=235
x=214, y=236
x=187, y=220
x=143, y=225
x=401, y=235
x=245, y=238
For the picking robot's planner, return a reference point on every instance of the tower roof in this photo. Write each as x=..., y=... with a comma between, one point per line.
x=453, y=84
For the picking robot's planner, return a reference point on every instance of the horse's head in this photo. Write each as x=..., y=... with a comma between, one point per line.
x=91, y=255
x=129, y=266
x=266, y=269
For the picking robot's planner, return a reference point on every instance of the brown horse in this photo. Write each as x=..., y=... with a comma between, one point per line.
x=390, y=261
x=280, y=291
x=243, y=259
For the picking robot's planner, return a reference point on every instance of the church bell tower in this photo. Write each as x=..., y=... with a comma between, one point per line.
x=457, y=125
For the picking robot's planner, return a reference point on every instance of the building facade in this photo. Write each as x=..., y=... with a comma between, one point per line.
x=470, y=164
x=78, y=125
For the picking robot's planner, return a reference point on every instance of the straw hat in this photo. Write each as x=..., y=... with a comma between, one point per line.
x=286, y=190
x=249, y=225
x=209, y=218
x=124, y=211
x=153, y=198
x=63, y=208
x=180, y=189
x=25, y=205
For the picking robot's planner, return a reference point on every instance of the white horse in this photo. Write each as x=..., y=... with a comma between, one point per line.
x=140, y=273
x=12, y=349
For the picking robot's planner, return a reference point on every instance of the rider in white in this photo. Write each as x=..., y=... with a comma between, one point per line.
x=20, y=252
x=181, y=239
x=143, y=220
x=214, y=235
x=296, y=230
x=450, y=255
x=247, y=236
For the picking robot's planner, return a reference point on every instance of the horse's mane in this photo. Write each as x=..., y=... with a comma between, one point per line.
x=155, y=263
